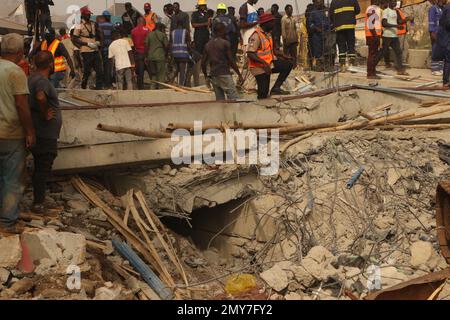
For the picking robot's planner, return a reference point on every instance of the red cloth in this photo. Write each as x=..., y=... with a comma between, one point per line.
x=139, y=34
x=25, y=66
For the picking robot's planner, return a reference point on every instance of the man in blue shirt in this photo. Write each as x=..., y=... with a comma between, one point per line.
x=434, y=15
x=442, y=50
x=318, y=26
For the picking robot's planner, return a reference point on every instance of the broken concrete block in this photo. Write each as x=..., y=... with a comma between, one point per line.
x=321, y=255
x=276, y=278
x=22, y=286
x=10, y=252
x=45, y=266
x=61, y=247
x=74, y=247
x=293, y=296
x=4, y=275
x=79, y=206
x=390, y=276
x=421, y=253
x=105, y=293
x=42, y=244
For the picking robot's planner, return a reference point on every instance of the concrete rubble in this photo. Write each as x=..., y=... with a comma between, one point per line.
x=302, y=234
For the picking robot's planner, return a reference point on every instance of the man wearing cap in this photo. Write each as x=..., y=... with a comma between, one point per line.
x=130, y=18
x=139, y=35
x=16, y=131
x=88, y=38
x=106, y=28
x=150, y=17
x=265, y=59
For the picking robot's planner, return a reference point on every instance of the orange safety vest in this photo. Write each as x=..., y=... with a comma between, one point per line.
x=149, y=18
x=403, y=30
x=60, y=63
x=373, y=22
x=265, y=52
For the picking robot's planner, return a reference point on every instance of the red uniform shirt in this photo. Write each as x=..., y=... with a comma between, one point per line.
x=139, y=34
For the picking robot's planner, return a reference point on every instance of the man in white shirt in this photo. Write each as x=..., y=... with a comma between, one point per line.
x=121, y=53
x=389, y=20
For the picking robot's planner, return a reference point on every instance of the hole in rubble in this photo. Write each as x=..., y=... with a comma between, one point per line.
x=216, y=227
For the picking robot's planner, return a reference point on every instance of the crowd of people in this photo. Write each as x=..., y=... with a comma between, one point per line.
x=121, y=54
x=170, y=48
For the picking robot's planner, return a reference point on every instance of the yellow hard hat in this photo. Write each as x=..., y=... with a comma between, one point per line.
x=201, y=2
x=222, y=6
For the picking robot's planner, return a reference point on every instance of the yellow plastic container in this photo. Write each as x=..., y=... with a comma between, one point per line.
x=239, y=283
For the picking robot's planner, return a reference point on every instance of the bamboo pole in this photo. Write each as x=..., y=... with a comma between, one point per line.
x=134, y=132
x=170, y=86
x=190, y=127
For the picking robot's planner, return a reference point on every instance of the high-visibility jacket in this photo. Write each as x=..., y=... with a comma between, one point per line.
x=403, y=27
x=342, y=14
x=179, y=45
x=150, y=20
x=373, y=21
x=60, y=63
x=265, y=51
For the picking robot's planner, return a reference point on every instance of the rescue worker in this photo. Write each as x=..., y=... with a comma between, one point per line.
x=88, y=38
x=403, y=31
x=342, y=16
x=434, y=16
x=265, y=59
x=59, y=52
x=319, y=26
x=223, y=18
x=373, y=32
x=180, y=41
x=442, y=51
x=150, y=17
x=107, y=28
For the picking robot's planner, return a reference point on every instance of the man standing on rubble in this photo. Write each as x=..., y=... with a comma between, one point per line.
x=434, y=16
x=276, y=32
x=319, y=26
x=342, y=16
x=262, y=55
x=390, y=22
x=235, y=36
x=289, y=33
x=373, y=37
x=121, y=53
x=16, y=131
x=218, y=54
x=222, y=17
x=201, y=22
x=47, y=121
x=139, y=34
x=106, y=28
x=442, y=51
x=88, y=38
x=156, y=54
